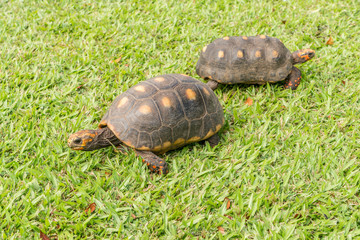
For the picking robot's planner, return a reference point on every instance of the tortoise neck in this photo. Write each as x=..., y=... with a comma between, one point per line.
x=105, y=137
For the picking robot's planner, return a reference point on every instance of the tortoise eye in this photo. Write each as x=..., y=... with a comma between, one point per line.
x=77, y=141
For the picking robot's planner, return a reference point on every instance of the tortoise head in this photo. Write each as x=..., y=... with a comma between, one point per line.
x=303, y=55
x=83, y=140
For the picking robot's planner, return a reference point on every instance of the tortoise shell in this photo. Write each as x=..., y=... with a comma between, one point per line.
x=164, y=113
x=253, y=60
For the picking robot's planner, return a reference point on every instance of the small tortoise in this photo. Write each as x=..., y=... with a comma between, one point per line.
x=155, y=116
x=251, y=60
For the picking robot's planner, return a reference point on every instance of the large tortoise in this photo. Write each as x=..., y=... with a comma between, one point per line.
x=251, y=60
x=155, y=116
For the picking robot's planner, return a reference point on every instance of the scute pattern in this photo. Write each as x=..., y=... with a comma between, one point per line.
x=193, y=105
x=164, y=113
x=173, y=111
x=257, y=59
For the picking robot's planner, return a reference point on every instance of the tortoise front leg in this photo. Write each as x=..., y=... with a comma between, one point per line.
x=293, y=80
x=155, y=163
x=212, y=84
x=213, y=140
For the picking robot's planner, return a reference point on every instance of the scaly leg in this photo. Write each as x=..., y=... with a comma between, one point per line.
x=212, y=84
x=155, y=163
x=293, y=80
x=213, y=140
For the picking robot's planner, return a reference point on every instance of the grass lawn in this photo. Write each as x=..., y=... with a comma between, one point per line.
x=287, y=166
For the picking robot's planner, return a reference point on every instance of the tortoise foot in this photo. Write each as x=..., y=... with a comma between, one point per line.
x=155, y=163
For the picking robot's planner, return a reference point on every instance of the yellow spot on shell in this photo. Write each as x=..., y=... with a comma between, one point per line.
x=128, y=143
x=159, y=79
x=209, y=134
x=204, y=49
x=218, y=127
x=226, y=38
x=258, y=54
x=206, y=91
x=122, y=102
x=262, y=36
x=209, y=77
x=102, y=124
x=144, y=148
x=240, y=54
x=145, y=109
x=140, y=88
x=245, y=38
x=221, y=54
x=190, y=94
x=179, y=141
x=166, y=144
x=157, y=148
x=166, y=102
x=275, y=53
x=193, y=139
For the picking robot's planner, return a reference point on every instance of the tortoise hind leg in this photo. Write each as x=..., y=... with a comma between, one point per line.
x=293, y=80
x=212, y=84
x=155, y=163
x=213, y=140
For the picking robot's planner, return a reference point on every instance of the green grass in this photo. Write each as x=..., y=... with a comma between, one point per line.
x=289, y=164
